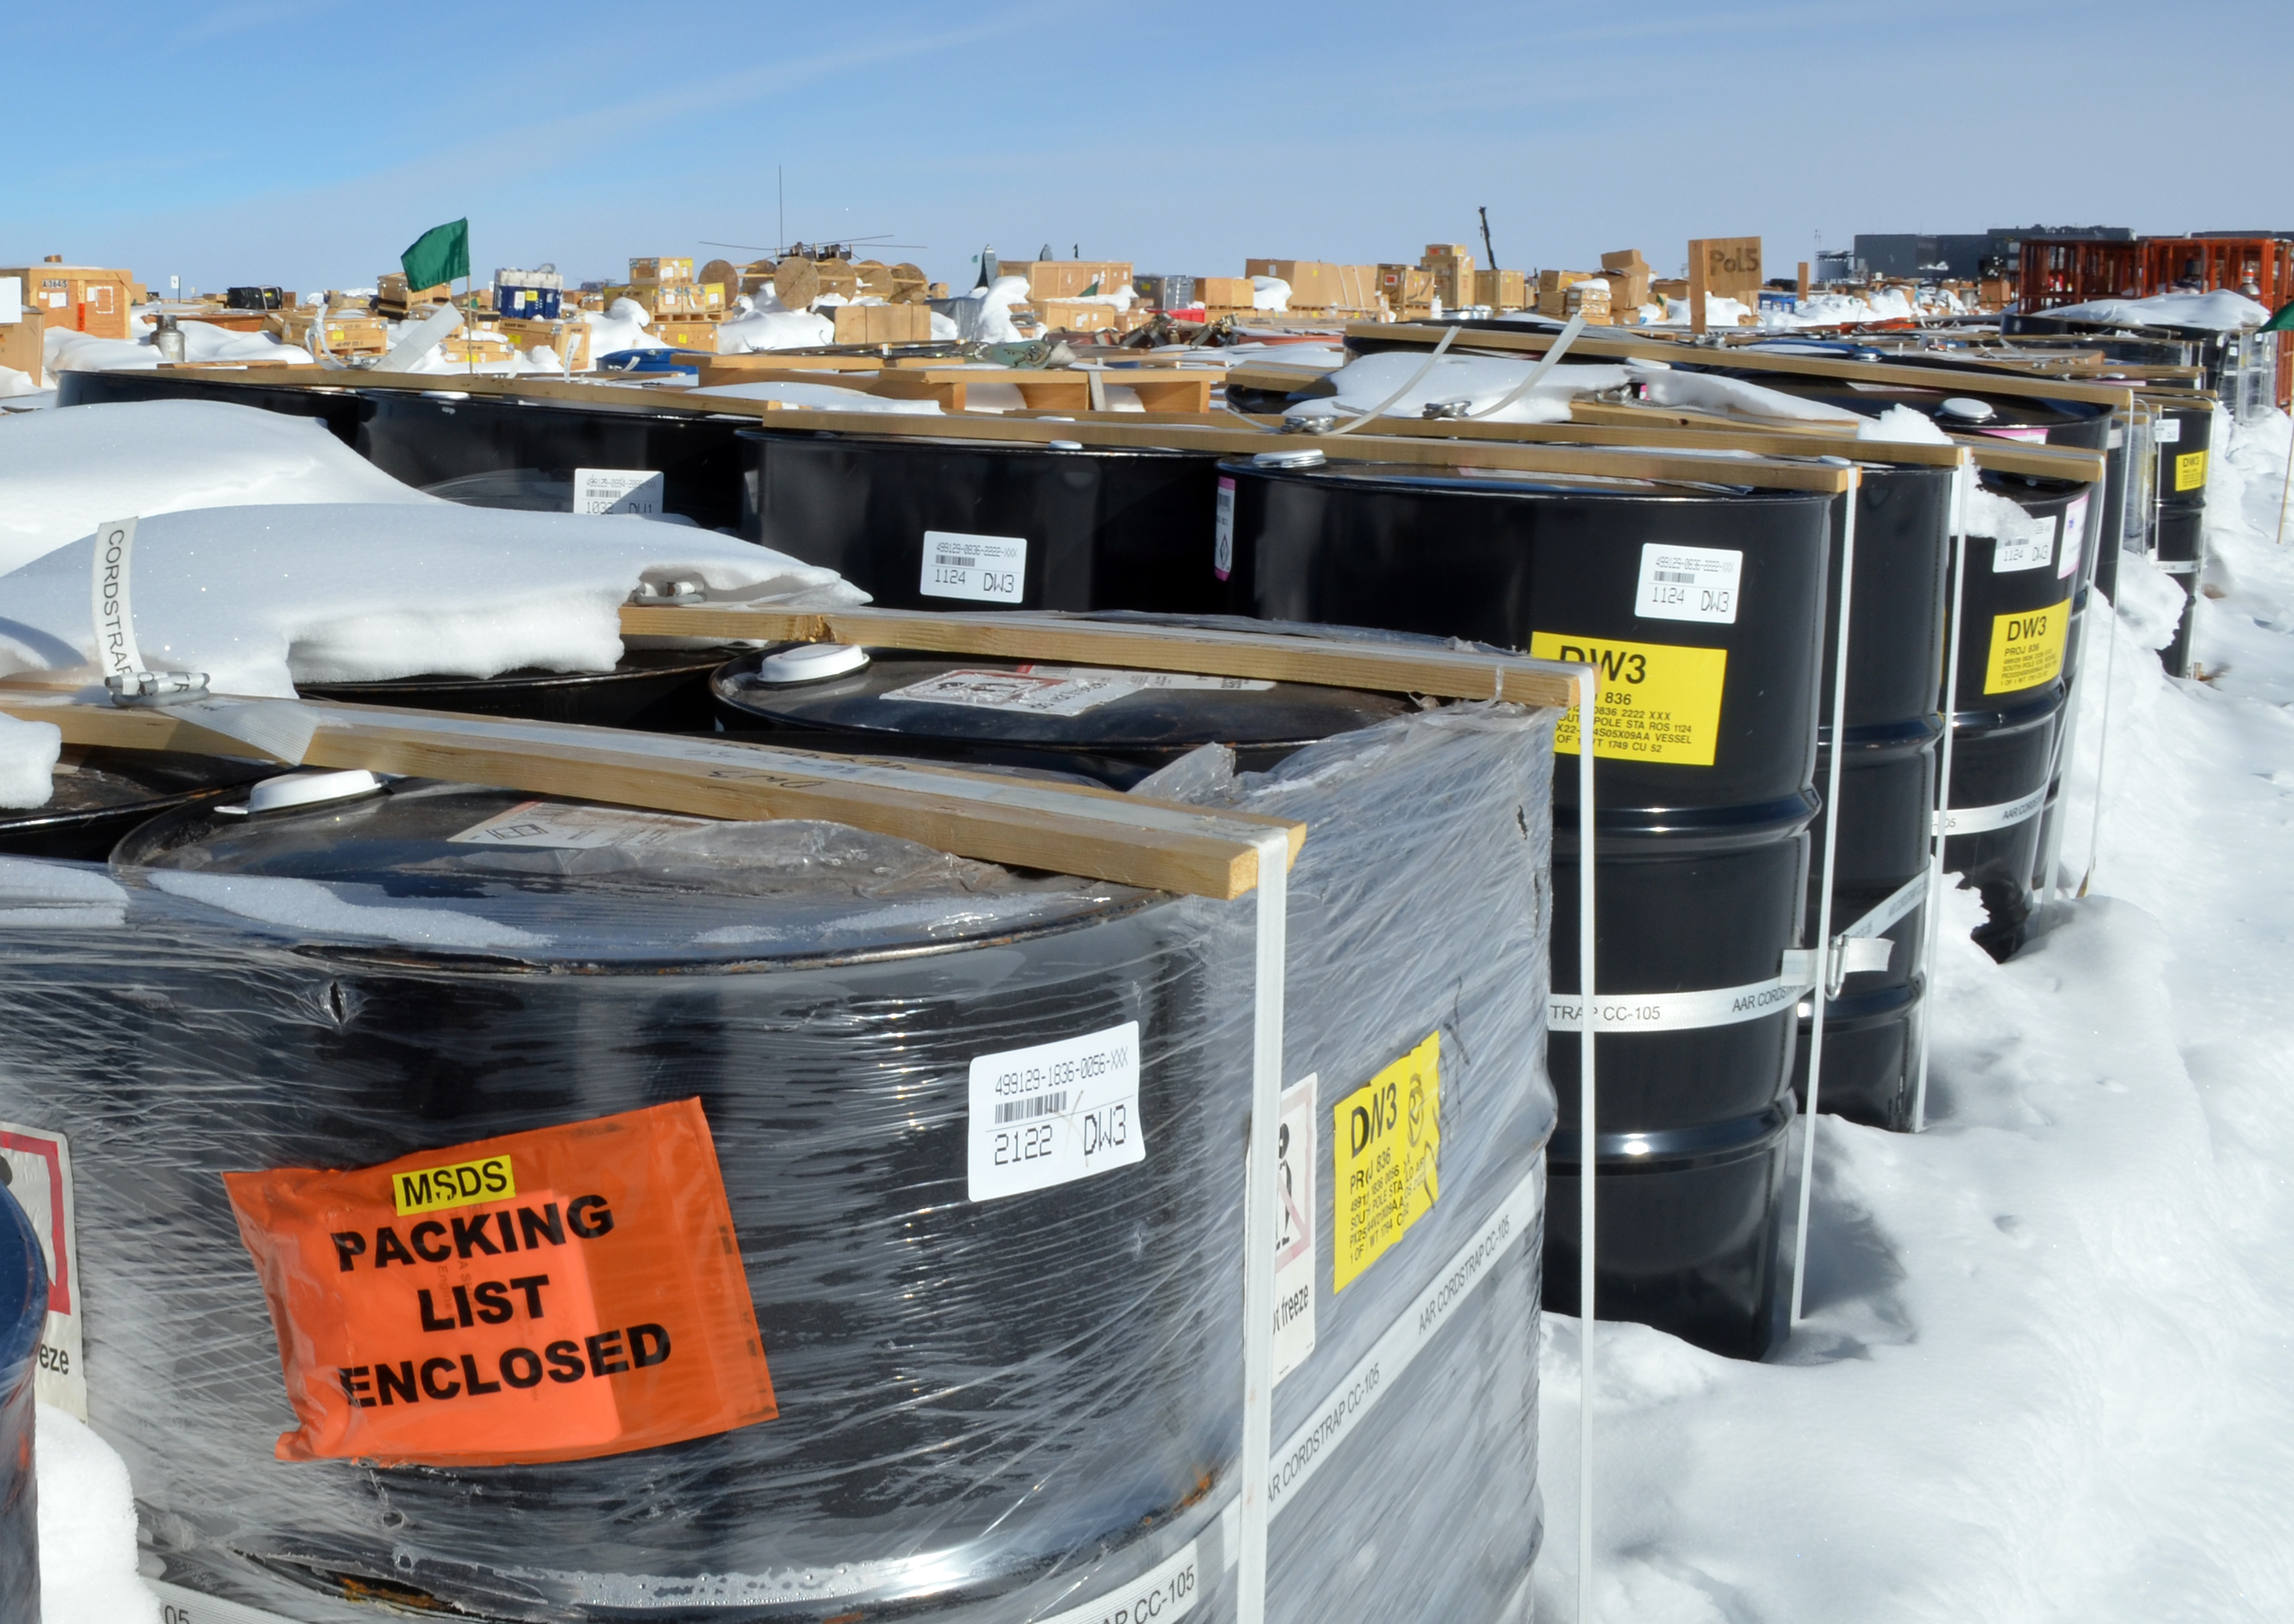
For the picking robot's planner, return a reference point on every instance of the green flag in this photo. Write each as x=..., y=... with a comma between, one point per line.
x=2283, y=322
x=439, y=255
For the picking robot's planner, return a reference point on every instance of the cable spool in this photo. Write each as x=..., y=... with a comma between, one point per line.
x=1887, y=784
x=722, y=272
x=341, y=410
x=661, y=690
x=99, y=795
x=796, y=282
x=1401, y=925
x=1010, y=526
x=977, y=1394
x=1703, y=814
x=23, y=1313
x=493, y=452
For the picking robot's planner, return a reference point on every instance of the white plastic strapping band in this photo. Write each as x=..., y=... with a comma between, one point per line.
x=1983, y=820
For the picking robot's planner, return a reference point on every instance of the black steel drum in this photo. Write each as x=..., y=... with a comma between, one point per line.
x=99, y=795
x=340, y=408
x=502, y=451
x=661, y=690
x=1704, y=608
x=924, y=523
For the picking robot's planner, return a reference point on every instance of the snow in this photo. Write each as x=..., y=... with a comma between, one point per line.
x=1480, y=380
x=69, y=470
x=88, y=1572
x=28, y=761
x=1902, y=423
x=257, y=598
x=1733, y=397
x=773, y=329
x=1269, y=293
x=307, y=905
x=984, y=315
x=2221, y=309
x=825, y=397
x=66, y=350
x=2043, y=1373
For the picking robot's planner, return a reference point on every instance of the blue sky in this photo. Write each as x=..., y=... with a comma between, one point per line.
x=305, y=144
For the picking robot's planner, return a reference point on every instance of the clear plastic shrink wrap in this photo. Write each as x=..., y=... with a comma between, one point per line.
x=1003, y=1392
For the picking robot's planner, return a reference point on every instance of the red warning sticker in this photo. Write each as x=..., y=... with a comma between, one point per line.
x=548, y=1296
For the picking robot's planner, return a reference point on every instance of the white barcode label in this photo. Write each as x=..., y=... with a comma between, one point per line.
x=2074, y=547
x=987, y=569
x=2028, y=544
x=1054, y=1113
x=1223, y=545
x=1054, y=690
x=618, y=491
x=1294, y=1228
x=2167, y=431
x=1682, y=583
x=562, y=827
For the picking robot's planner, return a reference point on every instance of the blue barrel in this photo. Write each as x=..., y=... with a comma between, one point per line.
x=23, y=1310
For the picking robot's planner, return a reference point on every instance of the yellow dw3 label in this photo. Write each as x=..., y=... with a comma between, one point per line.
x=1386, y=1153
x=1659, y=702
x=2190, y=470
x=2027, y=648
x=426, y=1190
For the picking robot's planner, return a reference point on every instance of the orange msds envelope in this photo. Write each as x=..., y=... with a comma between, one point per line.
x=548, y=1296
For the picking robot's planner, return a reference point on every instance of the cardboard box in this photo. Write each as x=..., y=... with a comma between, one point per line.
x=1554, y=281
x=1406, y=287
x=887, y=323
x=1501, y=289
x=1586, y=296
x=660, y=269
x=82, y=298
x=1627, y=260
x=1451, y=268
x=1314, y=284
x=1224, y=292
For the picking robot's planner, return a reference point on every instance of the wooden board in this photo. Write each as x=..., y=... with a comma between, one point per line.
x=1618, y=347
x=1395, y=668
x=1731, y=267
x=1022, y=823
x=1232, y=437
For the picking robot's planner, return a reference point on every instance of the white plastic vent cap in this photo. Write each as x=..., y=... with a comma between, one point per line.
x=810, y=662
x=307, y=790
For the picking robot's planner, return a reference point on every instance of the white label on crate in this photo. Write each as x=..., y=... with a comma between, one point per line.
x=1294, y=1228
x=12, y=299
x=575, y=828
x=2166, y=430
x=1223, y=543
x=1053, y=690
x=988, y=568
x=2074, y=546
x=2027, y=543
x=1688, y=583
x=2118, y=438
x=116, y=654
x=38, y=1165
x=618, y=491
x=56, y=299
x=1166, y=1591
x=1054, y=1113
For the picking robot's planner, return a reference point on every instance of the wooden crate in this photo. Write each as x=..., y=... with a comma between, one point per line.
x=1075, y=316
x=79, y=299
x=687, y=332
x=348, y=333
x=1501, y=289
x=567, y=334
x=23, y=344
x=661, y=269
x=883, y=323
x=1065, y=279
